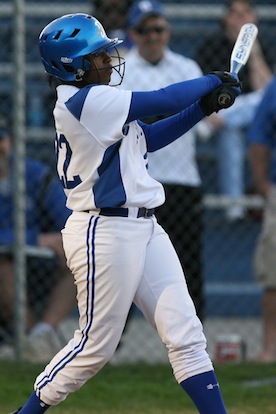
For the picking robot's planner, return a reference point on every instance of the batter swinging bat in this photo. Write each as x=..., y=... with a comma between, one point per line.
x=239, y=56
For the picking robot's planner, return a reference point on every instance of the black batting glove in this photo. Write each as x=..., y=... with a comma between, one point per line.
x=224, y=95
x=219, y=98
x=226, y=77
x=229, y=79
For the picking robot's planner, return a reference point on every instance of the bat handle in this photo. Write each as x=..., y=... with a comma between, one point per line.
x=226, y=98
x=235, y=66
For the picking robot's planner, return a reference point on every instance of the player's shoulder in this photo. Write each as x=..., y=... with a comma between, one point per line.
x=96, y=97
x=69, y=93
x=106, y=96
x=96, y=91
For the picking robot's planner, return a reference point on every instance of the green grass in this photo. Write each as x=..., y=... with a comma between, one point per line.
x=144, y=389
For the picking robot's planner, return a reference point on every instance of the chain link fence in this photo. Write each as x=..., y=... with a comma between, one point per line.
x=232, y=298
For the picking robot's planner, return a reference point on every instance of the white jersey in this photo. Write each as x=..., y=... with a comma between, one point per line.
x=101, y=161
x=176, y=163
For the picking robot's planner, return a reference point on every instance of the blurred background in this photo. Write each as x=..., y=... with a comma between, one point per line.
x=232, y=297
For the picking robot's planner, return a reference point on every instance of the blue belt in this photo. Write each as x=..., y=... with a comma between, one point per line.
x=123, y=212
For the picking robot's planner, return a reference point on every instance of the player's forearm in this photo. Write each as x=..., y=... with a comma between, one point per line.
x=171, y=99
x=162, y=133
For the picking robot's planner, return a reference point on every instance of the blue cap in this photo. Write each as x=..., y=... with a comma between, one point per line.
x=142, y=9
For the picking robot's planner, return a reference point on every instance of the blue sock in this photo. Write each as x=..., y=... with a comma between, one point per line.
x=204, y=390
x=34, y=406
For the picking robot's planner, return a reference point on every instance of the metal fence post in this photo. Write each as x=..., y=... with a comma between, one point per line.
x=19, y=135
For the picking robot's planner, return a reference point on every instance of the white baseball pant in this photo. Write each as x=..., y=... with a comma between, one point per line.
x=115, y=261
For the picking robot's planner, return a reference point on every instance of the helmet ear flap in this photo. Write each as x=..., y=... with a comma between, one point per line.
x=86, y=65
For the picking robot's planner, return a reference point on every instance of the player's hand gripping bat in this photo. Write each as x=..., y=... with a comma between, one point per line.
x=239, y=56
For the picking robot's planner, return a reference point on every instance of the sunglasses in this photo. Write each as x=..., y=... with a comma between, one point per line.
x=144, y=31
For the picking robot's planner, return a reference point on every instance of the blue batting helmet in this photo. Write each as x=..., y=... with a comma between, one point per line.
x=65, y=42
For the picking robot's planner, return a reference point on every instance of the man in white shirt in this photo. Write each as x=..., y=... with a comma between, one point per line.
x=152, y=65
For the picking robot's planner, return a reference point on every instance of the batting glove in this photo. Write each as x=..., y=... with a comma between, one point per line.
x=223, y=96
x=220, y=98
x=226, y=77
x=229, y=79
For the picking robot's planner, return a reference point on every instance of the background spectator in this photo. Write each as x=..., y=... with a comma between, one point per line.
x=45, y=217
x=113, y=15
x=150, y=64
x=262, y=138
x=214, y=53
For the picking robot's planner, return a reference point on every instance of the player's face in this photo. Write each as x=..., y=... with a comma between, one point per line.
x=101, y=68
x=239, y=14
x=151, y=38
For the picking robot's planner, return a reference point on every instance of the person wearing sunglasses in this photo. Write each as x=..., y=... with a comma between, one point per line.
x=228, y=129
x=151, y=64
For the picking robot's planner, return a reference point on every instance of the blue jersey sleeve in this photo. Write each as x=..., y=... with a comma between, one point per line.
x=171, y=99
x=161, y=133
x=263, y=127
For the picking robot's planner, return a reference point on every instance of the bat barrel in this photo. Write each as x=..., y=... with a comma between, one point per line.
x=243, y=45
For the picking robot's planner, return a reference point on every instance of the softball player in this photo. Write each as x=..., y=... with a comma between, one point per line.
x=114, y=246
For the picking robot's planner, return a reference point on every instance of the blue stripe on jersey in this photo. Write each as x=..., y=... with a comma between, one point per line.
x=76, y=102
x=109, y=189
x=90, y=295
